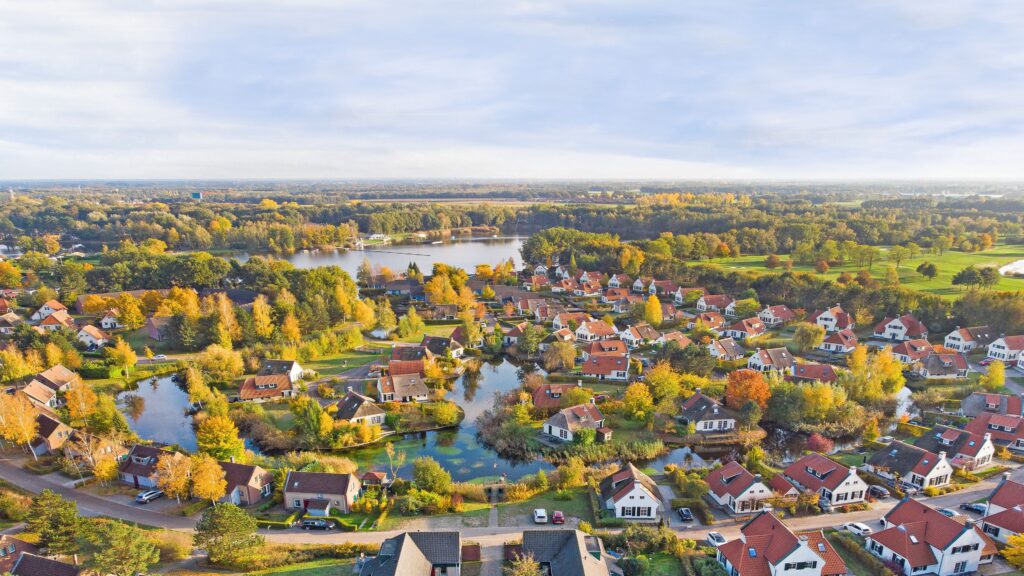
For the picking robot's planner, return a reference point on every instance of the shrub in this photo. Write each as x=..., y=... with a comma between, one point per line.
x=173, y=546
x=14, y=506
x=706, y=566
x=585, y=527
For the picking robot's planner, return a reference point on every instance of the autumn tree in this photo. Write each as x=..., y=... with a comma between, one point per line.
x=559, y=355
x=290, y=330
x=664, y=384
x=638, y=402
x=994, y=377
x=173, y=475
x=807, y=336
x=129, y=314
x=119, y=549
x=411, y=323
x=18, y=420
x=364, y=315
x=81, y=401
x=746, y=385
x=121, y=355
x=218, y=437
x=652, y=311
x=219, y=363
x=1014, y=551
x=262, y=318
x=523, y=565
x=208, y=481
x=386, y=320
x=228, y=534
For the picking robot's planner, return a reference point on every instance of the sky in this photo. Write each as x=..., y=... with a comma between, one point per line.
x=506, y=89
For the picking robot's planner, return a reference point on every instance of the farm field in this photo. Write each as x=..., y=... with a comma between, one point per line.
x=948, y=264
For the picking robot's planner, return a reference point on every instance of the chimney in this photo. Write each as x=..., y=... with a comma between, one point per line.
x=942, y=455
x=987, y=436
x=757, y=477
x=804, y=540
x=1006, y=476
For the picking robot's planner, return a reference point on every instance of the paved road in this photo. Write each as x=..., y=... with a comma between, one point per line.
x=92, y=505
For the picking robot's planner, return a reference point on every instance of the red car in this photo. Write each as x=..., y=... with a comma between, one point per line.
x=557, y=517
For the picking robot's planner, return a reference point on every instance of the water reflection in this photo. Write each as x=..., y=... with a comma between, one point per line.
x=157, y=410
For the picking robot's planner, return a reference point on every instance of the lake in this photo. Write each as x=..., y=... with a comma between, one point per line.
x=464, y=253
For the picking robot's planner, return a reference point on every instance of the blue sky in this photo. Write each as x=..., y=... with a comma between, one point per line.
x=511, y=89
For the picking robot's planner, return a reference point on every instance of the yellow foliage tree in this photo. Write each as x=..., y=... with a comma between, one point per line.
x=208, y=481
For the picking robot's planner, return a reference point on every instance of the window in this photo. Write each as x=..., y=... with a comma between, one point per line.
x=960, y=568
x=296, y=503
x=801, y=565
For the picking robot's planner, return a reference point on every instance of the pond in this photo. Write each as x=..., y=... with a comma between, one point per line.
x=458, y=450
x=157, y=409
x=464, y=253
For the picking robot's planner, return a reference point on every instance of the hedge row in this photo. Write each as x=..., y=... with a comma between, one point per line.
x=598, y=513
x=851, y=545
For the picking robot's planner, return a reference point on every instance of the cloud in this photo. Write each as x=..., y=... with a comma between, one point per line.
x=510, y=89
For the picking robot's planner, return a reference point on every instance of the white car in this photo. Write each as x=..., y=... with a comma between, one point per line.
x=716, y=539
x=160, y=357
x=540, y=516
x=858, y=528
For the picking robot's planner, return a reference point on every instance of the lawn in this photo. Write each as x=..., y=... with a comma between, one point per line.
x=948, y=264
x=663, y=564
x=853, y=564
x=338, y=363
x=511, y=513
x=327, y=567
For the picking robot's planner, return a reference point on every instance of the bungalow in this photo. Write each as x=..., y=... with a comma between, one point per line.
x=564, y=424
x=355, y=408
x=910, y=466
x=47, y=309
x=417, y=554
x=318, y=492
x=967, y=339
x=662, y=288
x=946, y=366
x=916, y=539
x=832, y=319
x=981, y=402
x=748, y=328
x=613, y=295
x=776, y=315
x=709, y=320
x=548, y=397
x=639, y=335
x=772, y=360
x=41, y=395
x=404, y=382
x=372, y=478
x=442, y=345
x=565, y=552
x=275, y=367
x=606, y=348
x=669, y=312
x=111, y=320
x=589, y=277
x=9, y=322
x=409, y=353
x=606, y=367
x=911, y=351
x=630, y=494
x=832, y=481
x=714, y=303
x=157, y=327
x=625, y=305
x=675, y=336
x=265, y=388
x=706, y=414
x=619, y=281
x=1006, y=430
x=540, y=269
x=246, y=484
x=587, y=290
x=814, y=372
x=1004, y=516
x=537, y=282
x=969, y=451
x=512, y=335
x=766, y=547
x=900, y=328
x=1006, y=349
x=840, y=342
x=56, y=321
x=547, y=312
x=571, y=320
x=726, y=349
x=92, y=337
x=563, y=335
x=594, y=330
x=400, y=287
x=51, y=434
x=58, y=377
x=734, y=488
x=451, y=311
x=139, y=467
x=525, y=306
x=563, y=271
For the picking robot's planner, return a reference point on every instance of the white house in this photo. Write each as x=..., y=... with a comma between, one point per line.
x=832, y=319
x=776, y=315
x=594, y=330
x=766, y=547
x=901, y=328
x=714, y=303
x=772, y=360
x=965, y=449
x=747, y=328
x=831, y=480
x=275, y=367
x=910, y=465
x=619, y=281
x=631, y=494
x=1004, y=516
x=919, y=540
x=110, y=320
x=48, y=308
x=706, y=414
x=967, y=339
x=840, y=342
x=1006, y=348
x=92, y=337
x=564, y=424
x=734, y=488
x=641, y=284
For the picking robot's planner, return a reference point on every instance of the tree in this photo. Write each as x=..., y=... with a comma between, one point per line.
x=173, y=473
x=218, y=437
x=818, y=443
x=10, y=276
x=772, y=262
x=652, y=311
x=18, y=420
x=364, y=275
x=559, y=355
x=746, y=385
x=411, y=323
x=56, y=521
x=928, y=270
x=106, y=470
x=807, y=336
x=665, y=385
x=81, y=401
x=290, y=330
x=363, y=315
x=821, y=267
x=747, y=307
x=129, y=314
x=523, y=565
x=386, y=320
x=897, y=254
x=692, y=359
x=122, y=355
x=219, y=363
x=969, y=276
x=638, y=402
x=262, y=318
x=446, y=413
x=750, y=414
x=529, y=342
x=227, y=533
x=871, y=431
x=119, y=549
x=1014, y=551
x=208, y=482
x=428, y=475
x=994, y=377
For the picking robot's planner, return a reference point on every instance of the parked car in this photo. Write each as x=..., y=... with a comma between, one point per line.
x=978, y=507
x=985, y=362
x=600, y=398
x=858, y=528
x=715, y=539
x=540, y=516
x=878, y=491
x=685, y=514
x=148, y=496
x=885, y=440
x=317, y=524
x=949, y=512
x=160, y=357
x=557, y=517
x=824, y=504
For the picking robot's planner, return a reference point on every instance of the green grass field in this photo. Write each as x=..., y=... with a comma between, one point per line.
x=327, y=567
x=948, y=264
